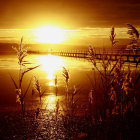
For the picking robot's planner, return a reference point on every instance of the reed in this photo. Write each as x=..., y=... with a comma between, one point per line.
x=118, y=85
x=37, y=88
x=56, y=86
x=65, y=73
x=134, y=36
x=118, y=90
x=23, y=70
x=112, y=37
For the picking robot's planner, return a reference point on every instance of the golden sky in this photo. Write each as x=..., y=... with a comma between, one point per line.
x=68, y=13
x=81, y=36
x=83, y=21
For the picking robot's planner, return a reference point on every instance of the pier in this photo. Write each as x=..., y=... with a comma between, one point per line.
x=128, y=55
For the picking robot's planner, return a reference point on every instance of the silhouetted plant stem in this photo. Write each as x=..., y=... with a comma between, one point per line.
x=66, y=75
x=38, y=89
x=21, y=54
x=56, y=86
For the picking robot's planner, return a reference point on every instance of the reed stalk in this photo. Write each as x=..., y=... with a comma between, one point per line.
x=23, y=69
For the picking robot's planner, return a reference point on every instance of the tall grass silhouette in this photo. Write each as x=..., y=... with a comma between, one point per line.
x=38, y=89
x=116, y=83
x=134, y=36
x=24, y=68
x=112, y=37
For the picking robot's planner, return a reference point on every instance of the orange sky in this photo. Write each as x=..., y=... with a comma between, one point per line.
x=81, y=36
x=68, y=13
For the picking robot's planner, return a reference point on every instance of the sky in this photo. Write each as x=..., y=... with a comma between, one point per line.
x=30, y=14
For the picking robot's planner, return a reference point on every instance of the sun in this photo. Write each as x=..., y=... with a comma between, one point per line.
x=50, y=34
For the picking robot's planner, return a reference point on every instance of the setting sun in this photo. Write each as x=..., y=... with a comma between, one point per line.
x=50, y=34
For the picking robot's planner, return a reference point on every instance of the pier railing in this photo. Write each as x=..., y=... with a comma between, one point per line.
x=128, y=55
x=132, y=56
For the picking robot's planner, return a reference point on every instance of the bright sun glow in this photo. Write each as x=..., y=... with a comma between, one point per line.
x=50, y=34
x=51, y=102
x=51, y=64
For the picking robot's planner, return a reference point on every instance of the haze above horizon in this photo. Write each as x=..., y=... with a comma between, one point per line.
x=73, y=14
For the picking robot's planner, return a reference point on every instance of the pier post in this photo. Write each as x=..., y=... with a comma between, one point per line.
x=134, y=58
x=127, y=58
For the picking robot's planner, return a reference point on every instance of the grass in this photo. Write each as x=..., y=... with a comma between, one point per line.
x=23, y=69
x=115, y=118
x=37, y=88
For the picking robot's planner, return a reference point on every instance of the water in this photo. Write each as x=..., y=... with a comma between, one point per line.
x=46, y=126
x=50, y=67
x=81, y=75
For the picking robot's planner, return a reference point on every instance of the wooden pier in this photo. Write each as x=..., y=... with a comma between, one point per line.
x=71, y=54
x=128, y=56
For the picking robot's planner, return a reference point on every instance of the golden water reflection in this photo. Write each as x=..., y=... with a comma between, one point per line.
x=51, y=83
x=51, y=65
x=51, y=101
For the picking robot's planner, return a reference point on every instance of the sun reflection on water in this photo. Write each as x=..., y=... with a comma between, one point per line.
x=51, y=65
x=51, y=83
x=51, y=101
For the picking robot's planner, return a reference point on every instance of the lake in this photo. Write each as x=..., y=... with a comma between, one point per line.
x=52, y=122
x=50, y=67
x=81, y=72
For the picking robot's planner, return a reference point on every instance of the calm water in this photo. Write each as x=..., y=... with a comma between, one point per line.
x=81, y=74
x=50, y=67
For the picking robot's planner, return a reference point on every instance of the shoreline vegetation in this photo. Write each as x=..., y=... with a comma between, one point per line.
x=111, y=110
